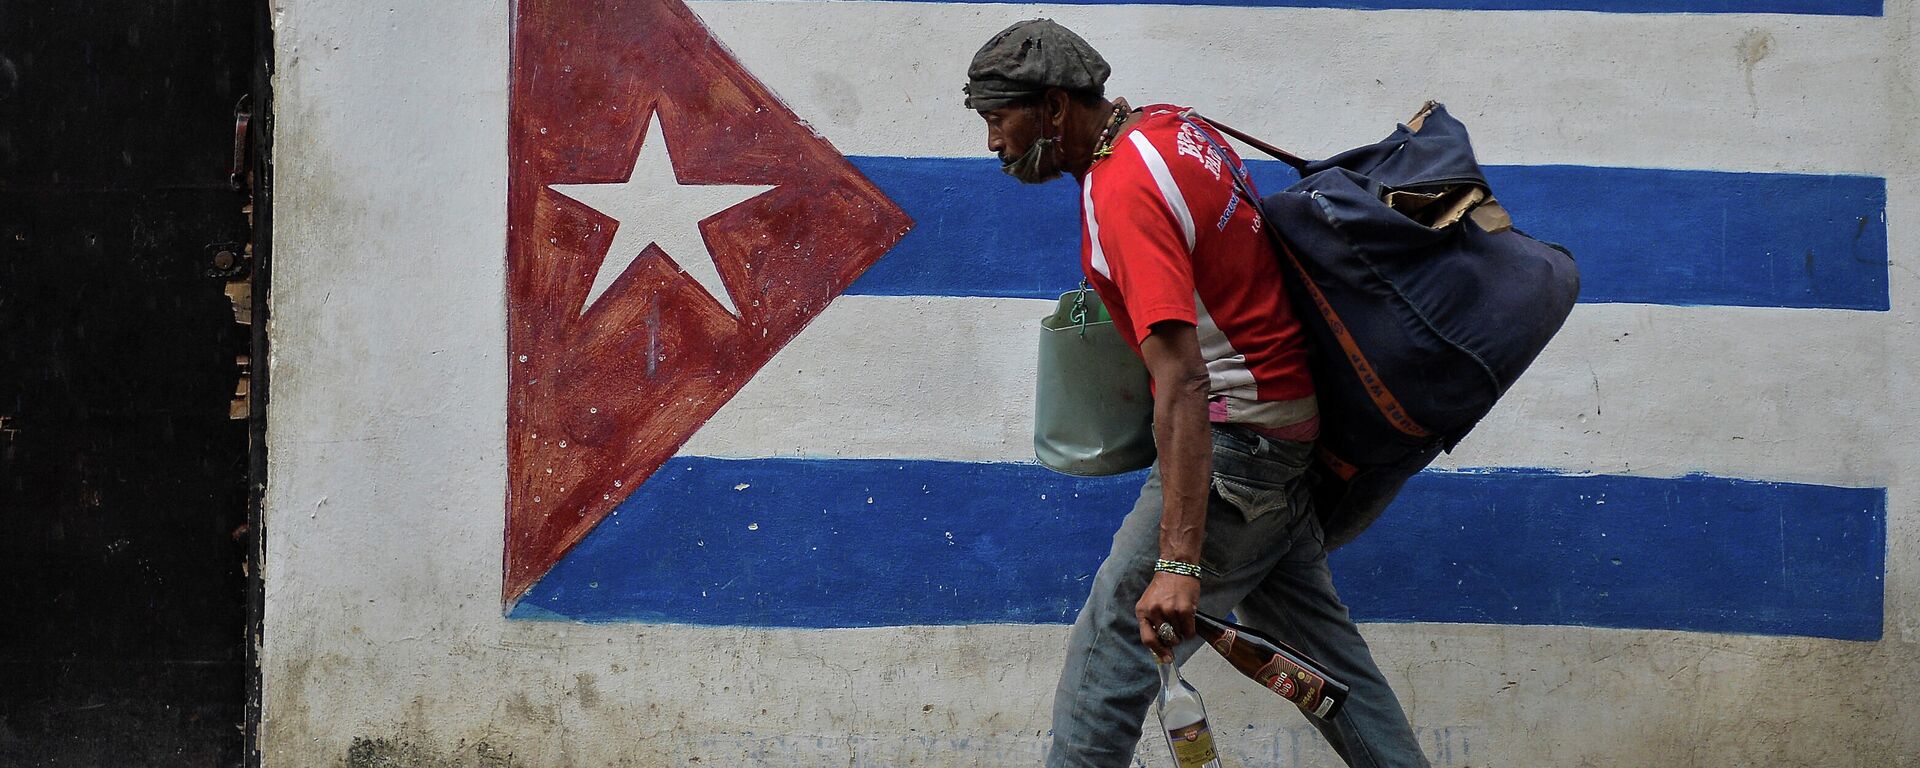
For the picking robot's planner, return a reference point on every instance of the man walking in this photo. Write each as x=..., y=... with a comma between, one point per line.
x=1224, y=522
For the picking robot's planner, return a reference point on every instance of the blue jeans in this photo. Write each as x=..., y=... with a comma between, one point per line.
x=1264, y=560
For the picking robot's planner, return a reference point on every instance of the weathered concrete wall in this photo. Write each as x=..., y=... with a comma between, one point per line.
x=386, y=641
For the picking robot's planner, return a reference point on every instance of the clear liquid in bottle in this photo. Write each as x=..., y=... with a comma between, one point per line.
x=1184, y=719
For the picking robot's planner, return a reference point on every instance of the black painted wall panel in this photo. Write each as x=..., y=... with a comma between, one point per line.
x=122, y=481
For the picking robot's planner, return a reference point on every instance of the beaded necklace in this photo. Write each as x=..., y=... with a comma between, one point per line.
x=1104, y=147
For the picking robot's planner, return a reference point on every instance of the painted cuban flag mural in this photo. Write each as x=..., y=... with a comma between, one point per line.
x=772, y=313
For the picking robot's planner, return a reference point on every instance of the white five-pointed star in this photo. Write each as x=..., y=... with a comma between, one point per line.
x=653, y=207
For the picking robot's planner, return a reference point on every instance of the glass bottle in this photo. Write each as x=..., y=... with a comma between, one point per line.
x=1184, y=719
x=1275, y=666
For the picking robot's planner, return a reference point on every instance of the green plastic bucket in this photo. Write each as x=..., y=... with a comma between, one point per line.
x=1093, y=408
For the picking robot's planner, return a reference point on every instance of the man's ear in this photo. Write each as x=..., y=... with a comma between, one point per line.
x=1057, y=102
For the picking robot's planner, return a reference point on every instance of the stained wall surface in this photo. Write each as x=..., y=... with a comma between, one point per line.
x=652, y=381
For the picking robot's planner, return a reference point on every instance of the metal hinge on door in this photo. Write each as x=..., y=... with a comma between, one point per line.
x=233, y=262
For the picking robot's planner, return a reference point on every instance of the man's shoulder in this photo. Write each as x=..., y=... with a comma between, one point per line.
x=1159, y=124
x=1184, y=147
x=1156, y=133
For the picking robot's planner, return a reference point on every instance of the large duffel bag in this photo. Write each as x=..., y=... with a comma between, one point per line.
x=1421, y=302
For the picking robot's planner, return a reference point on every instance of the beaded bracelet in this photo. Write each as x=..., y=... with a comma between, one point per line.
x=1177, y=567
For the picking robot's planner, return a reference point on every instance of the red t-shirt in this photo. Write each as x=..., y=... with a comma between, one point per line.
x=1164, y=236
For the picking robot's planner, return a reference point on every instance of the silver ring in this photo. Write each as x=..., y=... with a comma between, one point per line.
x=1167, y=635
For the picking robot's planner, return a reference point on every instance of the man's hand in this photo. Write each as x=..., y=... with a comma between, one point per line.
x=1170, y=599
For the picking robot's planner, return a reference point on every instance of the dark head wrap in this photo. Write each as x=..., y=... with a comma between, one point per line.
x=1028, y=58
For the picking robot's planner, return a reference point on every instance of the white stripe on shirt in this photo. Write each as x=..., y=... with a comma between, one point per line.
x=1227, y=371
x=1169, y=191
x=1099, y=255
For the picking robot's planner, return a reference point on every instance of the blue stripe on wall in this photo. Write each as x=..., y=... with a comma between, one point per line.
x=1640, y=235
x=844, y=543
x=1818, y=7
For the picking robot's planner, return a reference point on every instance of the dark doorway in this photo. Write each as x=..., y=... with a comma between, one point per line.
x=123, y=479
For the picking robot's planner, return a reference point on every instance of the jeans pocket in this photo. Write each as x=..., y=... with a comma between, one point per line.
x=1252, y=500
x=1245, y=522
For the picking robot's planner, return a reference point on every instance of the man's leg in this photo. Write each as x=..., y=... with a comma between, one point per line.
x=1104, y=689
x=1297, y=604
x=1109, y=682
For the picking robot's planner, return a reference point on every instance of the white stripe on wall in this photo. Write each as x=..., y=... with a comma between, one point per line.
x=1748, y=92
x=1623, y=389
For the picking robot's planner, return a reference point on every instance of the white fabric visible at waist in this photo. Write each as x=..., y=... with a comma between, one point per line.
x=1272, y=414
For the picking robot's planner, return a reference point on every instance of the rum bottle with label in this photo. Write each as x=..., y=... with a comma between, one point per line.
x=1184, y=719
x=1275, y=666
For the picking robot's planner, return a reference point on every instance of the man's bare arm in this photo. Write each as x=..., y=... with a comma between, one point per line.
x=1185, y=444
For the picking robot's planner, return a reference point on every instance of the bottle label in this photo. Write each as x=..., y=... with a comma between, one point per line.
x=1283, y=685
x=1225, y=642
x=1294, y=684
x=1321, y=711
x=1192, y=745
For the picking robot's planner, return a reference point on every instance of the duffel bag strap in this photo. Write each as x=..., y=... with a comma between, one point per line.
x=1291, y=159
x=1485, y=211
x=1282, y=155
